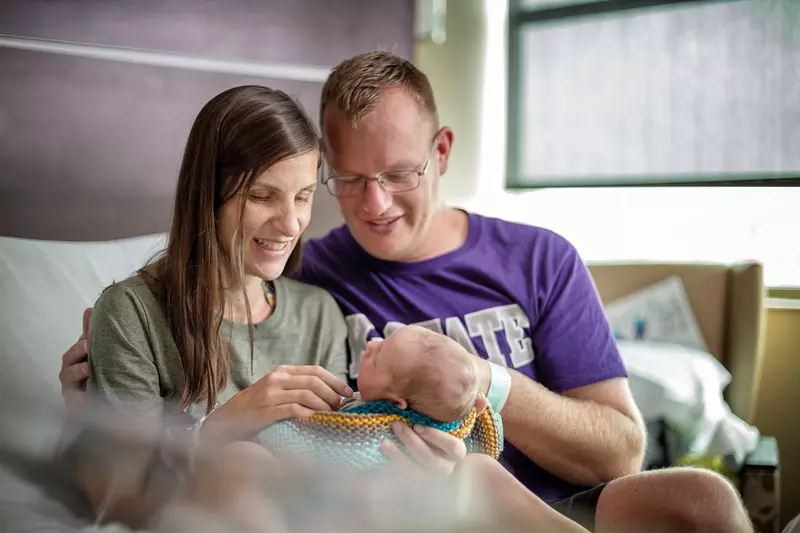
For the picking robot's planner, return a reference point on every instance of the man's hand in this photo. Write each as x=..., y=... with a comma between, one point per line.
x=430, y=448
x=75, y=368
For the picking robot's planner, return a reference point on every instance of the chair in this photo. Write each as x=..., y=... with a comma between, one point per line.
x=728, y=303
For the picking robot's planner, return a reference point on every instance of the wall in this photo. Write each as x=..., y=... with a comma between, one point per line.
x=456, y=70
x=779, y=399
x=95, y=110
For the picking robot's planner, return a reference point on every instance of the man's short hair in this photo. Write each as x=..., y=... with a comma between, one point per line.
x=355, y=85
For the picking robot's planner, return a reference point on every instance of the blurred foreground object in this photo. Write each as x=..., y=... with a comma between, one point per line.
x=50, y=463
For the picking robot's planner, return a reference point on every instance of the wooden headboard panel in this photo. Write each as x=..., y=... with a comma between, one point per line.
x=728, y=302
x=94, y=127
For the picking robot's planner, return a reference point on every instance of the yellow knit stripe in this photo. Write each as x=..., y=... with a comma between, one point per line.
x=483, y=425
x=355, y=420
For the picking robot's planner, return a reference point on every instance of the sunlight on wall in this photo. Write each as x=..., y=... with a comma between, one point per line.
x=492, y=154
x=675, y=224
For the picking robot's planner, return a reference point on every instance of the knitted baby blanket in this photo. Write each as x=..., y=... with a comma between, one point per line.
x=351, y=438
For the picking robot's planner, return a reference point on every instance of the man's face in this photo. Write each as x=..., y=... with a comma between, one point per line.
x=396, y=135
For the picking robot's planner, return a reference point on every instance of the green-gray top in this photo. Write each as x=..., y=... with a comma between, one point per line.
x=133, y=359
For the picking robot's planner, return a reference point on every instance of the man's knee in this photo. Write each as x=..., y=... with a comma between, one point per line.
x=718, y=506
x=675, y=499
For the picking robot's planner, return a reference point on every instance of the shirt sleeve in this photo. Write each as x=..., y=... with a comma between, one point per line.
x=572, y=339
x=122, y=369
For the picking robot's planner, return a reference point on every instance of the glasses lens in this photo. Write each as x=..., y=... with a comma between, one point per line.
x=400, y=181
x=345, y=186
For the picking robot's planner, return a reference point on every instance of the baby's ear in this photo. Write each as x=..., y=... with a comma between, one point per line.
x=481, y=403
x=401, y=403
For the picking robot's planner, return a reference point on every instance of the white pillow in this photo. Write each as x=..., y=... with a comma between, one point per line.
x=44, y=287
x=673, y=382
x=660, y=312
x=683, y=387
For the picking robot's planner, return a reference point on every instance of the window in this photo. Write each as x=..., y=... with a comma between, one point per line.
x=647, y=92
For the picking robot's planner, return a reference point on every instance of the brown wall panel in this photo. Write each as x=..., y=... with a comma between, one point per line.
x=91, y=147
x=315, y=32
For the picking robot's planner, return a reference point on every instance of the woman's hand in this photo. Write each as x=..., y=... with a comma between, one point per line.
x=74, y=367
x=431, y=448
x=286, y=392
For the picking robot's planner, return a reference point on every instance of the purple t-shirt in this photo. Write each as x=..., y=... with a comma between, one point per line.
x=515, y=294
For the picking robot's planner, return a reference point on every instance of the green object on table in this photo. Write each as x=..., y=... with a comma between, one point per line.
x=716, y=463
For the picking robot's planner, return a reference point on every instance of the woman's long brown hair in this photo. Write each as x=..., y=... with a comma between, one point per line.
x=236, y=136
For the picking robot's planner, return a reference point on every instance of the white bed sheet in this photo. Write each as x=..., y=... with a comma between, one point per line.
x=44, y=288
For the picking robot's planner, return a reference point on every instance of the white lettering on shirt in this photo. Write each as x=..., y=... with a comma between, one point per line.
x=358, y=328
x=485, y=324
x=509, y=321
x=391, y=327
x=514, y=320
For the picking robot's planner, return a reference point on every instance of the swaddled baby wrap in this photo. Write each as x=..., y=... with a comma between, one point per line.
x=351, y=437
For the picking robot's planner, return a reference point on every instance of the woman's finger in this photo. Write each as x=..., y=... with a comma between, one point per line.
x=75, y=353
x=447, y=445
x=337, y=385
x=303, y=397
x=317, y=386
x=395, y=456
x=87, y=313
x=420, y=450
x=72, y=377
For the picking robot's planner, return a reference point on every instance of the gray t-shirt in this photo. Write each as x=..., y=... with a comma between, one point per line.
x=134, y=364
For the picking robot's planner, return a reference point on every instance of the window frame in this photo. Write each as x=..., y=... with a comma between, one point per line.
x=520, y=17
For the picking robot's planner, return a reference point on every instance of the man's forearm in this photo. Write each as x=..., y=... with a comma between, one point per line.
x=580, y=441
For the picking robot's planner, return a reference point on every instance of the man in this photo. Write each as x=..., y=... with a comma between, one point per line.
x=517, y=296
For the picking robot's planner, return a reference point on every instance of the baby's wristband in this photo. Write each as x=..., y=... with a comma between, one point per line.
x=499, y=386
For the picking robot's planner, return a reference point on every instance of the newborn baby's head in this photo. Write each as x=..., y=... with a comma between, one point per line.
x=421, y=370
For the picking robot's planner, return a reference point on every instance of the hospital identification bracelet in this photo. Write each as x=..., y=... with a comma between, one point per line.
x=499, y=386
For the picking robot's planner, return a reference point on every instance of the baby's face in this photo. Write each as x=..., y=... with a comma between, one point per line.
x=374, y=376
x=380, y=369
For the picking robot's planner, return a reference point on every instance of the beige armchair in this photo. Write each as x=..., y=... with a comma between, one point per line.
x=728, y=302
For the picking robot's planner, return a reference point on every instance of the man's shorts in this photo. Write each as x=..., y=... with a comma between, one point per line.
x=581, y=507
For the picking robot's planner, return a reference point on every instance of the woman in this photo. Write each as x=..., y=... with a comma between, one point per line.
x=211, y=328
x=191, y=329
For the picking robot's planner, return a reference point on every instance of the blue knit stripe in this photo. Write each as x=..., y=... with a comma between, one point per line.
x=388, y=408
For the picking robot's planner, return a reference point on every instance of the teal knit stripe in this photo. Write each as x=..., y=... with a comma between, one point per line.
x=388, y=408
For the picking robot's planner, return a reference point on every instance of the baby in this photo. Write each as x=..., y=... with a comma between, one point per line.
x=419, y=374
x=417, y=369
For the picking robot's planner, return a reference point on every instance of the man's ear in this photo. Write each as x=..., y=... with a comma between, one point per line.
x=444, y=145
x=400, y=403
x=481, y=403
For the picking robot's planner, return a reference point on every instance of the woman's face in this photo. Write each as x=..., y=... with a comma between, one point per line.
x=277, y=210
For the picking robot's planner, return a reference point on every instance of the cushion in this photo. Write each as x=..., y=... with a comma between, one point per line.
x=659, y=312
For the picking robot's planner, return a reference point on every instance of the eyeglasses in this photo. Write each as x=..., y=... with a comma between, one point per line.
x=393, y=181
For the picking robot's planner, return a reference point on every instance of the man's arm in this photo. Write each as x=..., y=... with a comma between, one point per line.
x=586, y=436
x=576, y=418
